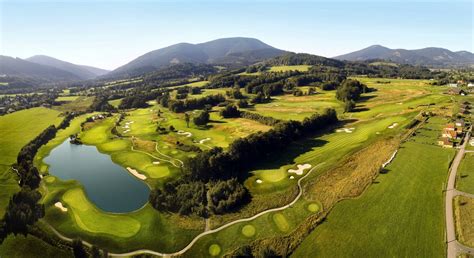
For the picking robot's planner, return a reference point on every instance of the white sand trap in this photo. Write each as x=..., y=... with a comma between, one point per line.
x=126, y=131
x=400, y=103
x=60, y=206
x=188, y=134
x=347, y=130
x=300, y=169
x=393, y=125
x=156, y=162
x=377, y=133
x=131, y=122
x=292, y=177
x=259, y=181
x=126, y=127
x=136, y=174
x=472, y=143
x=204, y=140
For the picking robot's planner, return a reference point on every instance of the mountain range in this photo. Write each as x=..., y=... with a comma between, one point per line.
x=431, y=56
x=230, y=51
x=47, y=68
x=237, y=51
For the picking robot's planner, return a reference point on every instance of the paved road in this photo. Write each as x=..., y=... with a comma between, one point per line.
x=454, y=247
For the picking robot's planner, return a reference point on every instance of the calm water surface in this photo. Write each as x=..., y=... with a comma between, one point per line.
x=109, y=186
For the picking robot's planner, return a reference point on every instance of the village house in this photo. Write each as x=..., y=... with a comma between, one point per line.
x=460, y=123
x=470, y=84
x=449, y=134
x=445, y=143
x=456, y=91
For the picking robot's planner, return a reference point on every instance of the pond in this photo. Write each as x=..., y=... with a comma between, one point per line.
x=109, y=186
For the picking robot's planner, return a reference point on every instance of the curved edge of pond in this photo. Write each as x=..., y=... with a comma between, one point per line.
x=84, y=188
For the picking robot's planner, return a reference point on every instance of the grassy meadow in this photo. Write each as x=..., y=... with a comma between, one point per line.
x=376, y=223
x=465, y=175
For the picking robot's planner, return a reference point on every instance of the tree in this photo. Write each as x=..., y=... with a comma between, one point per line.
x=78, y=249
x=230, y=111
x=201, y=119
x=95, y=252
x=242, y=103
x=349, y=106
x=187, y=119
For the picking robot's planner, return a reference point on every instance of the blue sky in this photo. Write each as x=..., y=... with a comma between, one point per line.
x=109, y=33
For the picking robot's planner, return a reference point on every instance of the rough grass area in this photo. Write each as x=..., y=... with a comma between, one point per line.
x=286, y=68
x=66, y=98
x=81, y=103
x=464, y=216
x=30, y=247
x=465, y=176
x=401, y=214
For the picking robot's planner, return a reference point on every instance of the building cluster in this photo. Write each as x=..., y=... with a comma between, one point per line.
x=452, y=133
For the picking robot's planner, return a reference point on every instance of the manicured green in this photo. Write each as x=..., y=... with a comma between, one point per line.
x=248, y=230
x=281, y=222
x=214, y=250
x=90, y=219
x=313, y=207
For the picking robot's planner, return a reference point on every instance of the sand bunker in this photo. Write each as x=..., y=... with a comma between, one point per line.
x=393, y=125
x=126, y=131
x=136, y=174
x=347, y=130
x=204, y=140
x=259, y=181
x=60, y=206
x=156, y=162
x=300, y=169
x=188, y=134
x=292, y=177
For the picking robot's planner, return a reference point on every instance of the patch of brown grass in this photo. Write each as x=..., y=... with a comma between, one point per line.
x=464, y=216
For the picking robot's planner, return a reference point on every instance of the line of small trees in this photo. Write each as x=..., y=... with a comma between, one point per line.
x=217, y=164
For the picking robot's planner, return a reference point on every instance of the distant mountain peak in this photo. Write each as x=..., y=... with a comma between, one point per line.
x=234, y=50
x=430, y=56
x=82, y=71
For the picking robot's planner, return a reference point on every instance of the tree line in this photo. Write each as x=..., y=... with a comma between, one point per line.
x=212, y=180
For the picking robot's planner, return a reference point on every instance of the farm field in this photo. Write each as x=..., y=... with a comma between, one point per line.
x=80, y=103
x=465, y=176
x=363, y=226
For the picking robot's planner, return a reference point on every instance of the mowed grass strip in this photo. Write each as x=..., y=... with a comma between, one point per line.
x=465, y=180
x=90, y=219
x=464, y=214
x=401, y=215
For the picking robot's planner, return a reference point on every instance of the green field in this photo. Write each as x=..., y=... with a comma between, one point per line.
x=30, y=247
x=18, y=129
x=81, y=103
x=286, y=68
x=66, y=98
x=465, y=175
x=401, y=215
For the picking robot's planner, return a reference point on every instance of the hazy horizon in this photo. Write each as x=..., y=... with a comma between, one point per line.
x=109, y=34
